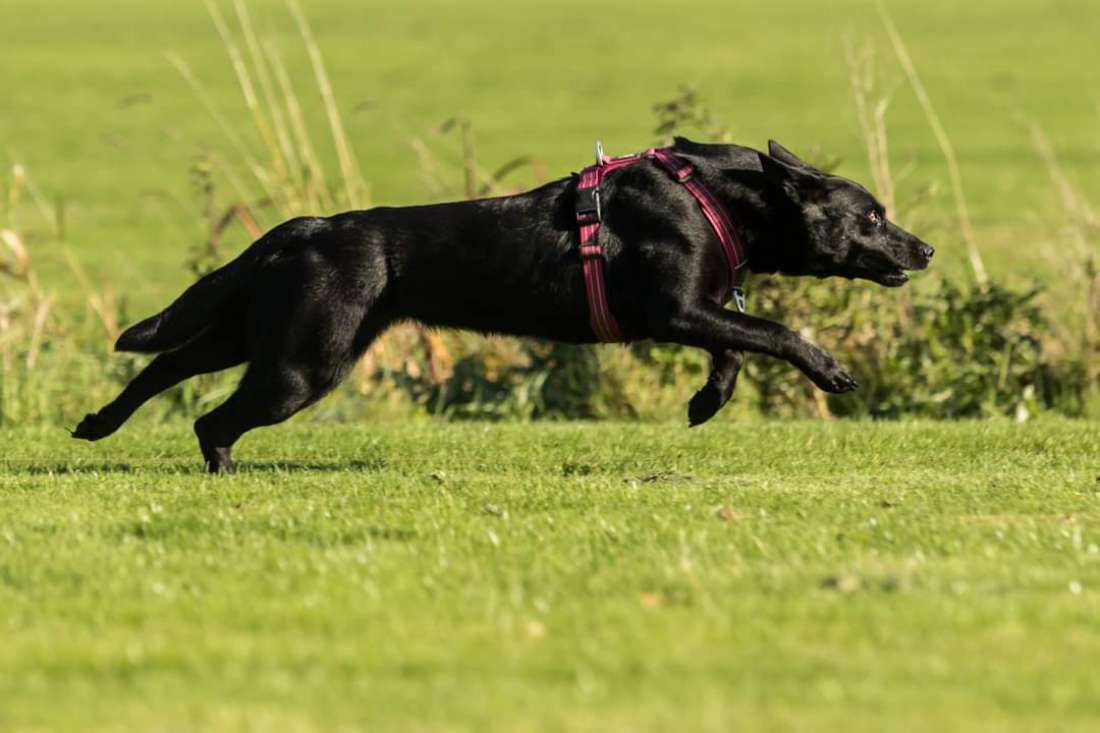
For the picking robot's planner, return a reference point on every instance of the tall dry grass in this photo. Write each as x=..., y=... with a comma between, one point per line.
x=962, y=208
x=52, y=359
x=1077, y=260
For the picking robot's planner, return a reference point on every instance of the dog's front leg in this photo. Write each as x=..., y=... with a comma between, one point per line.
x=725, y=366
x=719, y=330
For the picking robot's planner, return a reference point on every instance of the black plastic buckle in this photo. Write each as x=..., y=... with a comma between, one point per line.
x=588, y=205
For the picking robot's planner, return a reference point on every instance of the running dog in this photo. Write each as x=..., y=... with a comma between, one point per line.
x=304, y=302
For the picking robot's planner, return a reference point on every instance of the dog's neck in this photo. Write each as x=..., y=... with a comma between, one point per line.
x=766, y=220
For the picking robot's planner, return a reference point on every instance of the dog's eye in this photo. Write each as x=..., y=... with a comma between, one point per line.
x=875, y=217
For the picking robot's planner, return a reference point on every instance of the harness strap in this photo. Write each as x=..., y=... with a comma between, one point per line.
x=600, y=318
x=716, y=214
x=590, y=214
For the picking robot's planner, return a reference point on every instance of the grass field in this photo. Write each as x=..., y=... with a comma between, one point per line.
x=105, y=124
x=759, y=576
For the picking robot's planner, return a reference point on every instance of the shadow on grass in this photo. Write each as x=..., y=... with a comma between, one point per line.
x=190, y=468
x=63, y=469
x=373, y=465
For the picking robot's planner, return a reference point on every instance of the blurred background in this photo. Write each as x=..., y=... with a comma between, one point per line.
x=144, y=142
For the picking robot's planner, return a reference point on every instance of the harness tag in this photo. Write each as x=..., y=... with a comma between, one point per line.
x=599, y=153
x=739, y=299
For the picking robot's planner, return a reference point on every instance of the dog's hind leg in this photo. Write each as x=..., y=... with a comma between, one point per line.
x=213, y=351
x=276, y=387
x=725, y=366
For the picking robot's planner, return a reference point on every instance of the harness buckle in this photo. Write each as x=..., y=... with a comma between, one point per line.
x=588, y=205
x=739, y=299
x=685, y=173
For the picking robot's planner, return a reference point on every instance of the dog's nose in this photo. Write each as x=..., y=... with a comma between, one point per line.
x=927, y=251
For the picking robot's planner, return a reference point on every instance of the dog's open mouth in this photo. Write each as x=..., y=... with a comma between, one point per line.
x=893, y=278
x=892, y=274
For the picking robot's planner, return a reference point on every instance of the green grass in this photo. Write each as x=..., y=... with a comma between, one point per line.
x=748, y=576
x=104, y=122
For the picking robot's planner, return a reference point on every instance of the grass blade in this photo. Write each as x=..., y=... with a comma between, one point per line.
x=349, y=168
x=942, y=139
x=316, y=192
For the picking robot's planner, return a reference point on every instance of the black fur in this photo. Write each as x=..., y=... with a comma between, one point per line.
x=306, y=300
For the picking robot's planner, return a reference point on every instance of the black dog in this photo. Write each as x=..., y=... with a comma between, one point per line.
x=303, y=303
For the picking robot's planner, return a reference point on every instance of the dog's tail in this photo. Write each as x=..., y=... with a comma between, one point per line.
x=198, y=307
x=189, y=315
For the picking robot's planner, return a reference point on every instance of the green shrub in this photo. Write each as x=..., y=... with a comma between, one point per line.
x=937, y=350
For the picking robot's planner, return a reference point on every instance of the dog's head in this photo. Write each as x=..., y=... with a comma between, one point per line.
x=843, y=230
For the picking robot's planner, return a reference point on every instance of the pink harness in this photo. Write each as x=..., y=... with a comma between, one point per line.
x=589, y=215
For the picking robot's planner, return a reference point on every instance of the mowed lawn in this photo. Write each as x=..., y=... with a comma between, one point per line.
x=767, y=576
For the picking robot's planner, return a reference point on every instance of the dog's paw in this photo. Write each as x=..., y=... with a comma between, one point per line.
x=93, y=427
x=835, y=379
x=221, y=465
x=704, y=405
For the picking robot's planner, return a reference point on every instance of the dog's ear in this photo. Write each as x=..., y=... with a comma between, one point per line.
x=777, y=171
x=780, y=153
x=800, y=182
x=682, y=143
